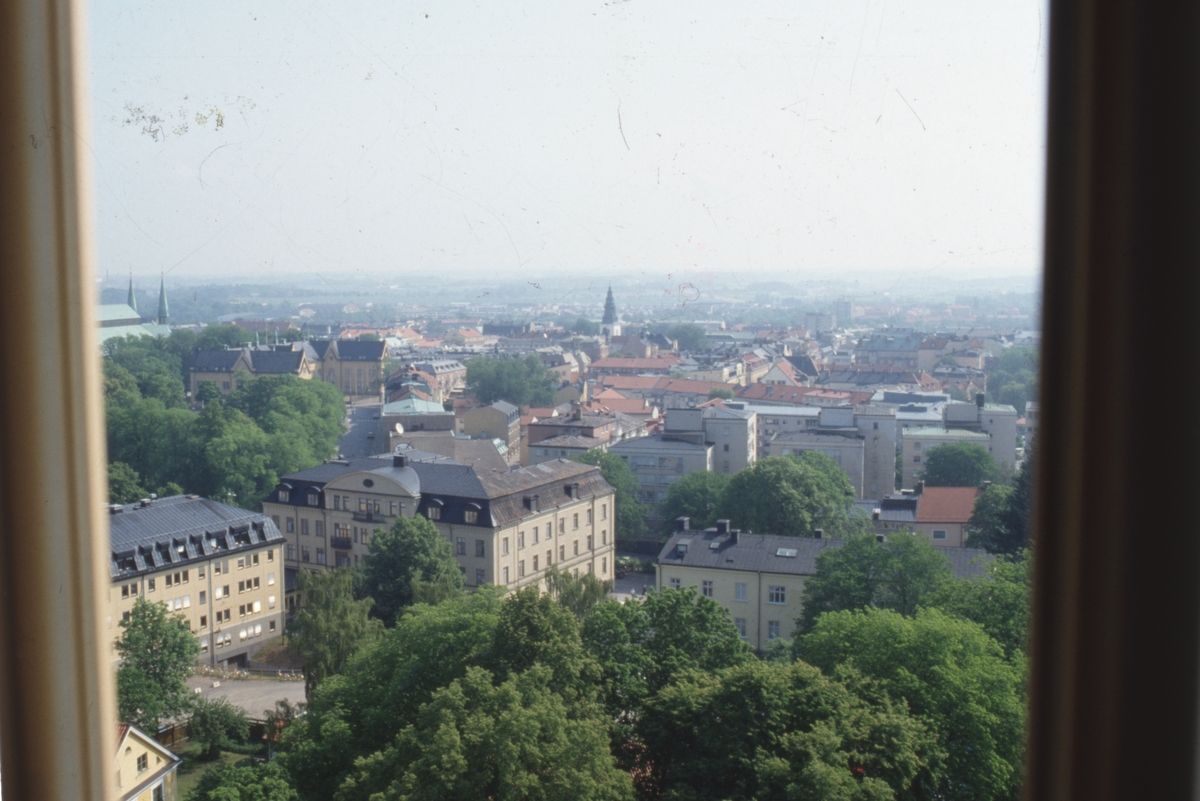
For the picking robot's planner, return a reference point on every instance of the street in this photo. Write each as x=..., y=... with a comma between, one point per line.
x=362, y=419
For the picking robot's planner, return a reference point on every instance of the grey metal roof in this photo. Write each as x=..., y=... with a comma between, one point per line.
x=567, y=441
x=349, y=350
x=759, y=553
x=216, y=361
x=277, y=362
x=655, y=444
x=180, y=530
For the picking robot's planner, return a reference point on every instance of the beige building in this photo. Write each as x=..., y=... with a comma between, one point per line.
x=145, y=770
x=505, y=528
x=758, y=578
x=917, y=442
x=219, y=566
x=501, y=420
x=354, y=367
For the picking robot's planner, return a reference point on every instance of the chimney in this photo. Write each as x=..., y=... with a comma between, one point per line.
x=985, y=486
x=874, y=514
x=733, y=537
x=818, y=533
x=979, y=398
x=537, y=506
x=574, y=490
x=722, y=526
x=399, y=460
x=683, y=523
x=920, y=486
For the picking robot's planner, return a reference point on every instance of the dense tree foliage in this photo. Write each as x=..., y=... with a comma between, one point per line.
x=1000, y=522
x=265, y=781
x=157, y=650
x=790, y=496
x=953, y=677
x=124, y=484
x=411, y=551
x=689, y=336
x=720, y=392
x=522, y=382
x=215, y=724
x=1015, y=379
x=696, y=496
x=762, y=730
x=577, y=594
x=998, y=600
x=330, y=626
x=585, y=327
x=234, y=450
x=902, y=574
x=959, y=464
x=630, y=515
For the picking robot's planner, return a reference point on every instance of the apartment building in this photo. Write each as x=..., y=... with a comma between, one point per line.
x=657, y=462
x=506, y=528
x=917, y=442
x=758, y=578
x=219, y=566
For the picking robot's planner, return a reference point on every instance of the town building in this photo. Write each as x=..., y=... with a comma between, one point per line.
x=146, y=771
x=506, y=528
x=659, y=461
x=918, y=442
x=119, y=320
x=219, y=566
x=500, y=420
x=610, y=325
x=759, y=578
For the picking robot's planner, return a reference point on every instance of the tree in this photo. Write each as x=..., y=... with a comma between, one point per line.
x=411, y=550
x=207, y=391
x=630, y=521
x=577, y=594
x=959, y=464
x=953, y=676
x=369, y=337
x=521, y=382
x=215, y=724
x=694, y=496
x=1000, y=520
x=689, y=336
x=901, y=574
x=476, y=739
x=264, y=781
x=585, y=327
x=720, y=392
x=998, y=600
x=217, y=337
x=124, y=485
x=785, y=731
x=789, y=496
x=330, y=625
x=157, y=651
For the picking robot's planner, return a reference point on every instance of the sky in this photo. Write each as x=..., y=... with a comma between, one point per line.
x=275, y=140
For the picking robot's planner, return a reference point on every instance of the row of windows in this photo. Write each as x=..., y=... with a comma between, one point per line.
x=549, y=535
x=537, y=566
x=225, y=615
x=776, y=594
x=772, y=628
x=181, y=576
x=225, y=639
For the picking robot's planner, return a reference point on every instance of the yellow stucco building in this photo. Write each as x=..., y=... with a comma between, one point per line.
x=145, y=770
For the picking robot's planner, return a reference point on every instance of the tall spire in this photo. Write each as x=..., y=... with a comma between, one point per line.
x=162, y=300
x=132, y=299
x=610, y=309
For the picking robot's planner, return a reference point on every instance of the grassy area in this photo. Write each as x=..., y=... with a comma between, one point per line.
x=193, y=767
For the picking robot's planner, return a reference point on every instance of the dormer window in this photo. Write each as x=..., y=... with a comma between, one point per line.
x=314, y=499
x=285, y=495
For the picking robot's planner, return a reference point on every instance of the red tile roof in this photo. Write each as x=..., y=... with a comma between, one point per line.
x=947, y=504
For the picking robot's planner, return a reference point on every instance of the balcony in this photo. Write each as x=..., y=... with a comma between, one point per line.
x=368, y=517
x=342, y=543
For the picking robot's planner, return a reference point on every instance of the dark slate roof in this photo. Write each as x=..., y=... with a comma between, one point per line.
x=350, y=350
x=567, y=441
x=277, y=362
x=507, y=408
x=216, y=361
x=180, y=530
x=320, y=347
x=759, y=552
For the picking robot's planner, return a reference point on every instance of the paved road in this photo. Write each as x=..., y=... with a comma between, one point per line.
x=363, y=421
x=632, y=584
x=254, y=696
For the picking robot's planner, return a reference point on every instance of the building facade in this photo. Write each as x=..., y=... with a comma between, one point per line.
x=146, y=771
x=219, y=566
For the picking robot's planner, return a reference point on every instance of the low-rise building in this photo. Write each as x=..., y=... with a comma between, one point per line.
x=145, y=769
x=219, y=566
x=506, y=528
x=944, y=512
x=759, y=578
x=501, y=420
x=918, y=442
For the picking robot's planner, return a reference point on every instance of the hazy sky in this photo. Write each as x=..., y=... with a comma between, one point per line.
x=272, y=139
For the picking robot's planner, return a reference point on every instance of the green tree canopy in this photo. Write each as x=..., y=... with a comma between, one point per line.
x=630, y=515
x=1015, y=379
x=959, y=464
x=954, y=678
x=689, y=336
x=695, y=496
x=330, y=625
x=522, y=382
x=720, y=392
x=217, y=337
x=477, y=739
x=215, y=724
x=784, y=731
x=585, y=327
x=790, y=496
x=158, y=651
x=124, y=484
x=1000, y=521
x=902, y=574
x=577, y=594
x=265, y=781
x=410, y=551
x=998, y=600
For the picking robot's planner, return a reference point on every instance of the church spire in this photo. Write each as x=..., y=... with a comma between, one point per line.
x=132, y=298
x=162, y=301
x=610, y=309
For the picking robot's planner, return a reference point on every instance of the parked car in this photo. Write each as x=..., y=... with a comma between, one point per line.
x=619, y=573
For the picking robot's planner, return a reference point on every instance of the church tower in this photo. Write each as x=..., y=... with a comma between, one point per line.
x=162, y=301
x=132, y=301
x=609, y=326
